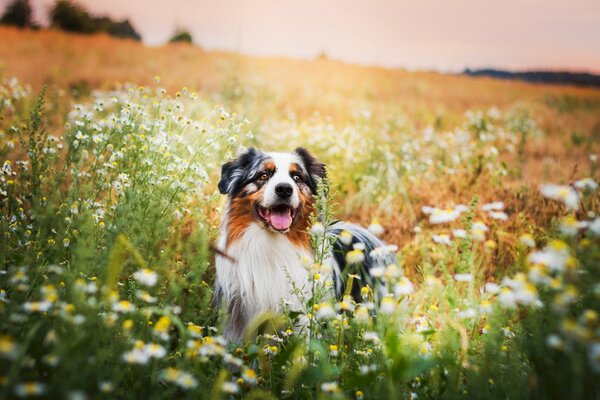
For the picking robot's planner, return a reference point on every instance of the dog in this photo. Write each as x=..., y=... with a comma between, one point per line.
x=264, y=243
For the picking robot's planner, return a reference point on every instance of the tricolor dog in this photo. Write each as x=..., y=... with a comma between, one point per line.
x=265, y=236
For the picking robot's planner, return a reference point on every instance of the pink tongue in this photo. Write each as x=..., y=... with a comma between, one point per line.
x=281, y=220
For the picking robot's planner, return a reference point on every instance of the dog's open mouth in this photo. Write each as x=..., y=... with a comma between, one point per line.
x=279, y=217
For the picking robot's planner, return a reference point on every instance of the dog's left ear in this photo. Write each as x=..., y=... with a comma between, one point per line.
x=316, y=169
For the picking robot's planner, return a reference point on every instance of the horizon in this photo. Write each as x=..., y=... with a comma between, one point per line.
x=544, y=35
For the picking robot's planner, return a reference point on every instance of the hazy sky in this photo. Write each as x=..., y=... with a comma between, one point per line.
x=437, y=34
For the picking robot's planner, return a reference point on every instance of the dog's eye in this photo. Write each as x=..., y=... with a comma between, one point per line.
x=297, y=178
x=264, y=176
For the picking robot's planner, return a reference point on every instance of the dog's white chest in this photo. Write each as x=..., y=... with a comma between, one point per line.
x=268, y=270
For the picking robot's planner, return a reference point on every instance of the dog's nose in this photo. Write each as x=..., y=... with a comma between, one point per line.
x=284, y=190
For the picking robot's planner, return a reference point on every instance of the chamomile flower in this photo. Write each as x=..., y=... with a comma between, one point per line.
x=28, y=389
x=249, y=376
x=442, y=239
x=563, y=193
x=146, y=277
x=355, y=256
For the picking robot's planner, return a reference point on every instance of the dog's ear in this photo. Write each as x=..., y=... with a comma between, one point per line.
x=234, y=172
x=316, y=169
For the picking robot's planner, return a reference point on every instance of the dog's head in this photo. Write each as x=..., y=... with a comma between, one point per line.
x=275, y=188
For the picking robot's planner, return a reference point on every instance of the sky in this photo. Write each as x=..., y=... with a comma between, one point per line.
x=443, y=35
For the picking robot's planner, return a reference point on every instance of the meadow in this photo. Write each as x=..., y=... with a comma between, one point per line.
x=486, y=191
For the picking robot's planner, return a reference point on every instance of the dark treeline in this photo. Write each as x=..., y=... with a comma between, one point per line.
x=553, y=77
x=69, y=16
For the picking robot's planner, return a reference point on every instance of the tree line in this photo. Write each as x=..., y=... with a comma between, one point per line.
x=70, y=16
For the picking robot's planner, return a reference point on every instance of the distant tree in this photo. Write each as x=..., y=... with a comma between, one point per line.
x=18, y=13
x=124, y=29
x=181, y=36
x=70, y=16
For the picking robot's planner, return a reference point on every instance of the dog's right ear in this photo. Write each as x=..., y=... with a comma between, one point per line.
x=234, y=172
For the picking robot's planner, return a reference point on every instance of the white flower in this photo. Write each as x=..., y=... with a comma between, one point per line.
x=527, y=240
x=492, y=288
x=555, y=256
x=595, y=226
x=230, y=388
x=586, y=184
x=478, y=230
x=403, y=287
x=376, y=229
x=442, y=239
x=387, y=305
x=500, y=215
x=317, y=229
x=155, y=350
x=564, y=193
x=136, y=356
x=28, y=389
x=459, y=233
x=330, y=387
x=346, y=237
x=554, y=341
x=469, y=313
x=355, y=256
x=37, y=306
x=146, y=277
x=325, y=311
x=438, y=216
x=507, y=298
x=123, y=306
x=570, y=226
x=463, y=277
x=495, y=206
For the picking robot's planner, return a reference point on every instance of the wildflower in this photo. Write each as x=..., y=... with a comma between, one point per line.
x=469, y=313
x=500, y=215
x=442, y=239
x=146, y=277
x=594, y=226
x=330, y=387
x=403, y=287
x=359, y=395
x=30, y=389
x=161, y=328
x=355, y=256
x=564, y=193
x=570, y=226
x=106, y=387
x=145, y=296
x=463, y=277
x=478, y=230
x=123, y=306
x=387, y=305
x=194, y=330
x=270, y=350
x=527, y=240
x=376, y=229
x=555, y=256
x=425, y=349
x=325, y=311
x=586, y=184
x=554, y=341
x=249, y=376
x=459, y=233
x=346, y=237
x=507, y=298
x=346, y=304
x=438, y=216
x=155, y=350
x=37, y=306
x=371, y=336
x=495, y=206
x=51, y=360
x=230, y=388
x=361, y=314
x=317, y=229
x=8, y=347
x=333, y=350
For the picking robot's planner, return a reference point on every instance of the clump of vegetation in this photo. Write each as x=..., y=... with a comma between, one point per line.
x=18, y=13
x=181, y=35
x=72, y=17
x=106, y=277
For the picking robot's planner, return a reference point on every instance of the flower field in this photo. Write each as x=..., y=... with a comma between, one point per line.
x=109, y=206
